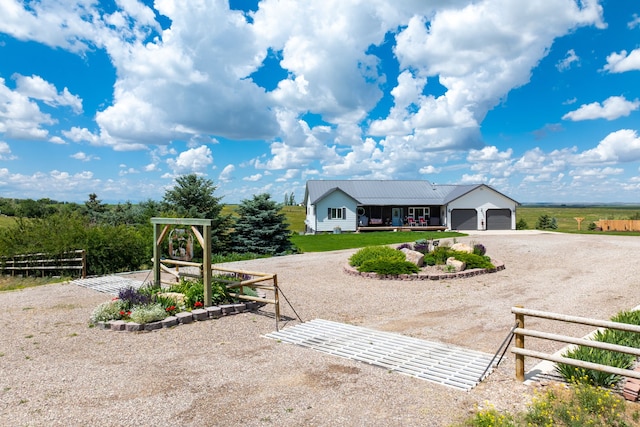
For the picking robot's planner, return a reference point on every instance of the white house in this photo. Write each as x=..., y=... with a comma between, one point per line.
x=351, y=205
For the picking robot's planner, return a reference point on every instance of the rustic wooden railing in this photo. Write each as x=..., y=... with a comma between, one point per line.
x=73, y=263
x=235, y=282
x=520, y=332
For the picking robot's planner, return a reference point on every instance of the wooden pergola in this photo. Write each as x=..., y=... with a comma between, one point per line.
x=161, y=227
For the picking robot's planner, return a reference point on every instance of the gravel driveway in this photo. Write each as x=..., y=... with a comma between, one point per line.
x=56, y=371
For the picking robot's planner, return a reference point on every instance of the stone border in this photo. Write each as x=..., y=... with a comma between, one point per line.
x=182, y=318
x=499, y=266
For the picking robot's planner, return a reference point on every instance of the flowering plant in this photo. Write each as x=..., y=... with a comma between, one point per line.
x=171, y=310
x=198, y=304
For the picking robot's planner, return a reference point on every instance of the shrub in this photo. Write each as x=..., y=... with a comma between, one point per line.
x=194, y=294
x=438, y=256
x=473, y=260
x=388, y=266
x=594, y=355
x=374, y=252
x=107, y=311
x=479, y=249
x=131, y=296
x=603, y=357
x=148, y=313
x=522, y=224
x=422, y=247
x=219, y=293
x=169, y=303
x=578, y=405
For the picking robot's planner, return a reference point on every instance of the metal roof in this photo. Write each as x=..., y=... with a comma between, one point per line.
x=388, y=192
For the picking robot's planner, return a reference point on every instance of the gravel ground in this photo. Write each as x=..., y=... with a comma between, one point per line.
x=56, y=371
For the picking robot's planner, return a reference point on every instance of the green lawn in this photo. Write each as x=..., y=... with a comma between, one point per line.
x=334, y=242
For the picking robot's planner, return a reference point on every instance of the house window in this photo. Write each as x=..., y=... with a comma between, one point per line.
x=419, y=211
x=337, y=213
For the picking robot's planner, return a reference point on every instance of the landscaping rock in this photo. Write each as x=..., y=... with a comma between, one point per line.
x=214, y=312
x=462, y=247
x=103, y=325
x=200, y=314
x=239, y=307
x=133, y=327
x=414, y=257
x=153, y=326
x=227, y=309
x=457, y=265
x=118, y=325
x=184, y=317
x=169, y=322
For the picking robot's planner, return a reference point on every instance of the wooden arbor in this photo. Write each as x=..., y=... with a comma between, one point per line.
x=160, y=233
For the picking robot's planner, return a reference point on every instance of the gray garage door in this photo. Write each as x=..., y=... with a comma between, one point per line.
x=499, y=219
x=464, y=219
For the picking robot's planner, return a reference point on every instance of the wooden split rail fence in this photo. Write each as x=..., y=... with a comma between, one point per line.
x=236, y=280
x=521, y=332
x=72, y=264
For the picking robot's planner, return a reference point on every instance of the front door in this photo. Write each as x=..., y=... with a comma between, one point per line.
x=396, y=217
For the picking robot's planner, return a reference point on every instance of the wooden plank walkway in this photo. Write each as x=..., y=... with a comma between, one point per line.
x=444, y=364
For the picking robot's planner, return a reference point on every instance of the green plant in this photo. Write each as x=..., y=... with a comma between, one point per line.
x=106, y=311
x=522, y=224
x=170, y=304
x=490, y=417
x=219, y=293
x=261, y=227
x=438, y=256
x=388, y=266
x=473, y=260
x=578, y=405
x=375, y=252
x=148, y=313
x=603, y=357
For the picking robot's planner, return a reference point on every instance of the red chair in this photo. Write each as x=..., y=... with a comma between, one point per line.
x=422, y=221
x=411, y=221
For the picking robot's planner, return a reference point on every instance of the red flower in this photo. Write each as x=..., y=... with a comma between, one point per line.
x=121, y=313
x=198, y=304
x=171, y=308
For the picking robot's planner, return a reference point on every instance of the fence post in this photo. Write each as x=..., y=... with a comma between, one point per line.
x=520, y=344
x=84, y=264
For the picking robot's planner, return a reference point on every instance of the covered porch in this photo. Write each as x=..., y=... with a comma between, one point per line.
x=376, y=217
x=401, y=228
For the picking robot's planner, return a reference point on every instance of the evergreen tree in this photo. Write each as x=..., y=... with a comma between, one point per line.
x=261, y=228
x=545, y=222
x=292, y=199
x=192, y=197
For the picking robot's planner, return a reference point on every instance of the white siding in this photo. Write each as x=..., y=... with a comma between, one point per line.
x=481, y=199
x=310, y=220
x=337, y=199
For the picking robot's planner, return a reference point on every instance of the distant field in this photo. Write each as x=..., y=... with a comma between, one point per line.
x=6, y=221
x=530, y=213
x=565, y=215
x=295, y=216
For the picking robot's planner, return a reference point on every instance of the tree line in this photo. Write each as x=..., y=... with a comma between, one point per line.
x=119, y=237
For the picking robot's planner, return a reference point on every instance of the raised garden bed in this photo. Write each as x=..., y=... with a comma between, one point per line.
x=182, y=318
x=427, y=274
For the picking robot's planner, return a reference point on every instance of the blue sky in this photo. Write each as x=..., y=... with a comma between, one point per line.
x=540, y=100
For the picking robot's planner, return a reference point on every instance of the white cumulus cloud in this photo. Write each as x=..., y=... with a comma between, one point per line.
x=611, y=109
